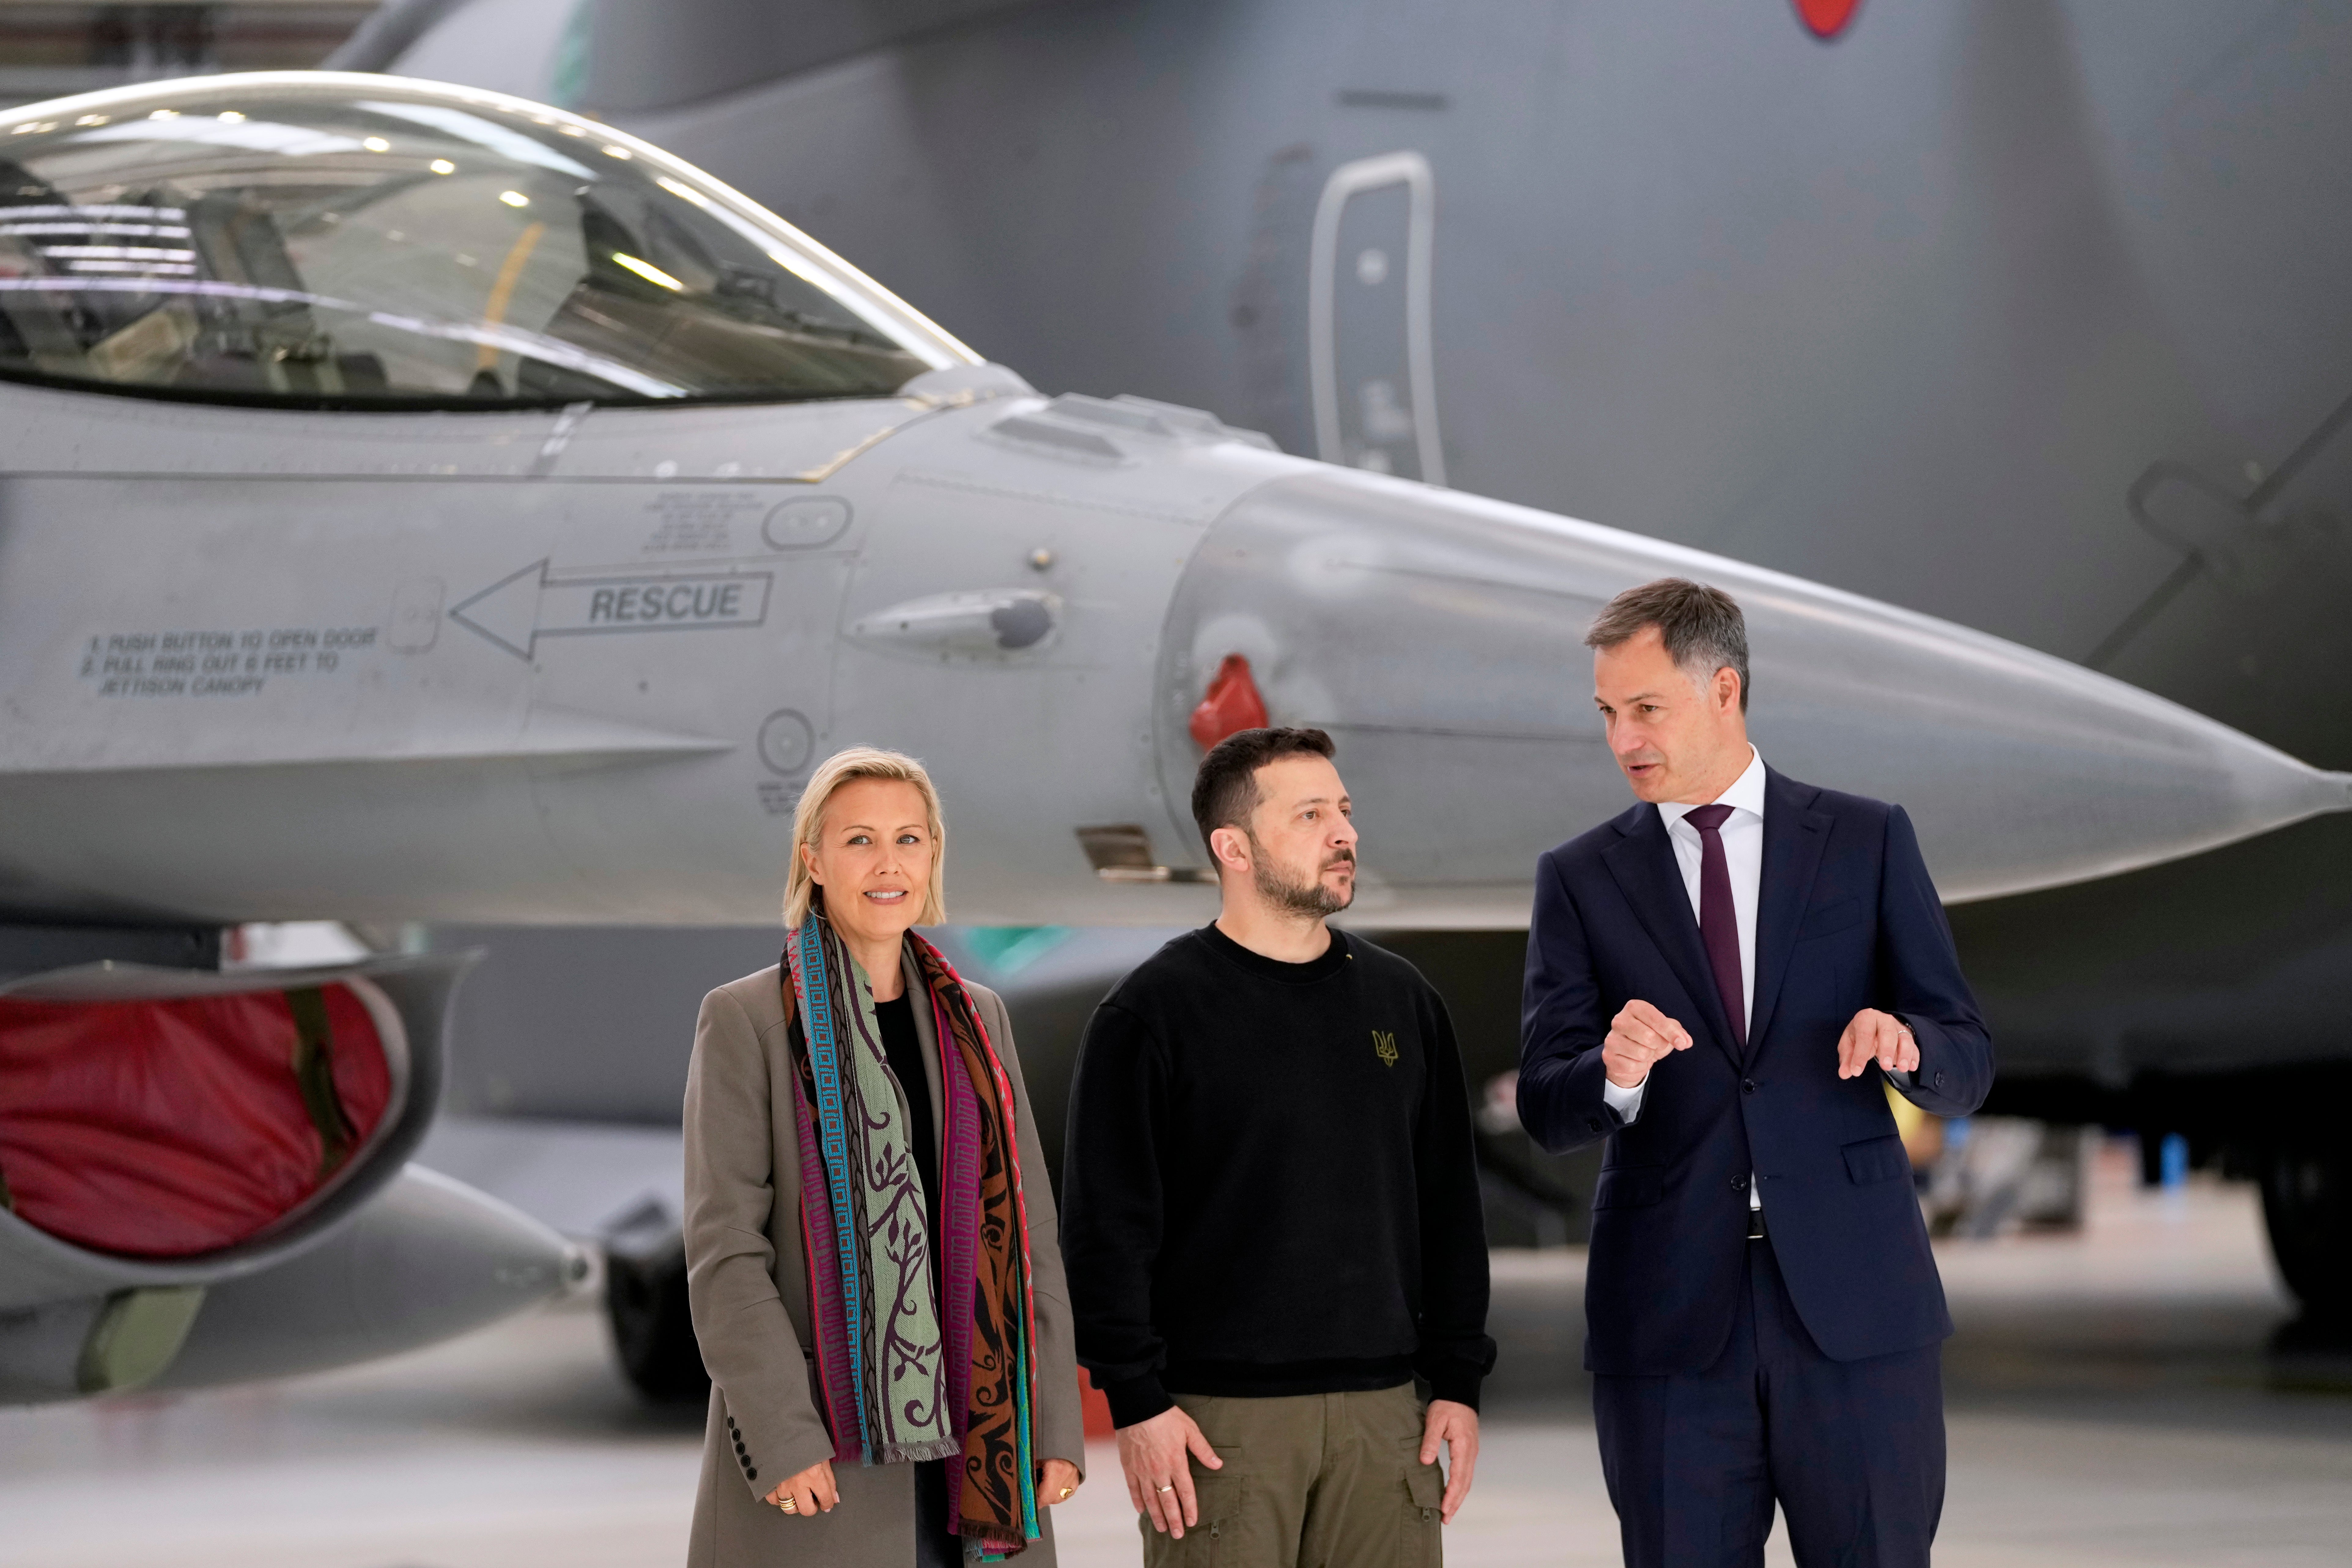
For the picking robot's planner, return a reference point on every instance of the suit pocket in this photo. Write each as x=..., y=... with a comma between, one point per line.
x=1876, y=1159
x=1831, y=919
x=1629, y=1187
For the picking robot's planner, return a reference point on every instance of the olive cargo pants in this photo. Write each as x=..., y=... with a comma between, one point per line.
x=1314, y=1481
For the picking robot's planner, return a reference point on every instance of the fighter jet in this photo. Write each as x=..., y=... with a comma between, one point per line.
x=2026, y=316
x=426, y=504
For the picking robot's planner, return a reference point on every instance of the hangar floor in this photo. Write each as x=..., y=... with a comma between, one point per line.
x=2110, y=1404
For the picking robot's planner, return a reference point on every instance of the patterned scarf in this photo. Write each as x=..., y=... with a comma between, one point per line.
x=901, y=1380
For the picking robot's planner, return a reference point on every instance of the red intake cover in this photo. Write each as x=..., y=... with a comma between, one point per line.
x=1827, y=18
x=163, y=1128
x=1232, y=705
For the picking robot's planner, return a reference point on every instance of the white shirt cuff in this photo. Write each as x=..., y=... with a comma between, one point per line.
x=1625, y=1102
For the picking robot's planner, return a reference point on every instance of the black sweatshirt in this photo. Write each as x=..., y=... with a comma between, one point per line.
x=1269, y=1186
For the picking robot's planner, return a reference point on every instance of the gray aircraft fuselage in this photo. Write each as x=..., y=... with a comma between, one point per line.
x=571, y=662
x=2030, y=317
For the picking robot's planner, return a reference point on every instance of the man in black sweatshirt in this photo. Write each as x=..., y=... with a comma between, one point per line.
x=1271, y=1218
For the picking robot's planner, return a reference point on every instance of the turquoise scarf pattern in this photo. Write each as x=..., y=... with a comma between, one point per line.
x=883, y=1248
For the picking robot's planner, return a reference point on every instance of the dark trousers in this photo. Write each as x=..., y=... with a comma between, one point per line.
x=934, y=1547
x=1853, y=1451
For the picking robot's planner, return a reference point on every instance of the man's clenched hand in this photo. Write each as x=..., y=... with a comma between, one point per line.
x=1638, y=1037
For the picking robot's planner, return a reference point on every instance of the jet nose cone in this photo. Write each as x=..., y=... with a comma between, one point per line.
x=1438, y=636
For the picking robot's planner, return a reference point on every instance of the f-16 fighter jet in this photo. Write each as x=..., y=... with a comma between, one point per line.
x=425, y=504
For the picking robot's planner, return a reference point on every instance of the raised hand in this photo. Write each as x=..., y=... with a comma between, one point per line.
x=1876, y=1036
x=1151, y=1454
x=1639, y=1037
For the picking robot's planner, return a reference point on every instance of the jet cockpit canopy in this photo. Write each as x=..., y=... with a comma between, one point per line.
x=327, y=239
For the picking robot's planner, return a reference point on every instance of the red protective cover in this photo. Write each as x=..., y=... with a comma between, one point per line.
x=162, y=1129
x=1827, y=18
x=1230, y=706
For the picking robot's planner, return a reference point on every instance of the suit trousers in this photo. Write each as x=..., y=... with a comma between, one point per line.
x=1852, y=1451
x=1309, y=1481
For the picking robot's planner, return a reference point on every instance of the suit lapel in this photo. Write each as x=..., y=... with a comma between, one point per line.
x=1794, y=836
x=1643, y=862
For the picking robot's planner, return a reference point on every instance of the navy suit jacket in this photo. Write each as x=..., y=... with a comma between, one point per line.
x=1846, y=919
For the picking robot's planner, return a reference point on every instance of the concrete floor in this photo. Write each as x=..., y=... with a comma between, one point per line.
x=2111, y=1403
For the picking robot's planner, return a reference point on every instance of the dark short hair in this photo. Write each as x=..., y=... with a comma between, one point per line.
x=1701, y=627
x=1224, y=792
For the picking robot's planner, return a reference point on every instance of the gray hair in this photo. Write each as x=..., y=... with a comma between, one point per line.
x=1701, y=627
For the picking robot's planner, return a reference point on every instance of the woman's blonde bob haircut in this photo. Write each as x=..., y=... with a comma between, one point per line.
x=808, y=827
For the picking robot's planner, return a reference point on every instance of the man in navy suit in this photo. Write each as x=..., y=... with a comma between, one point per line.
x=1718, y=982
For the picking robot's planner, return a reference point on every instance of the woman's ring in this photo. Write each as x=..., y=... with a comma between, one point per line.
x=1067, y=1490
x=790, y=1505
x=1168, y=1488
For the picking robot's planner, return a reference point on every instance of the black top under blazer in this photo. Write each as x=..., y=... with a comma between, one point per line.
x=1846, y=919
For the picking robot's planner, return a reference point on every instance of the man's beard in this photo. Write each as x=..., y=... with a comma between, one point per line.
x=1311, y=899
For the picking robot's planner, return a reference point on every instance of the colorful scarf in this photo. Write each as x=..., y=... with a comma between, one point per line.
x=903, y=1381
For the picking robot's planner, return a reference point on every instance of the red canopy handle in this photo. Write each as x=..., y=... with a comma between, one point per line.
x=1230, y=706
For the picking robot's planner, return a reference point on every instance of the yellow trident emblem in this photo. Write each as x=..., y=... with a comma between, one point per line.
x=1384, y=1048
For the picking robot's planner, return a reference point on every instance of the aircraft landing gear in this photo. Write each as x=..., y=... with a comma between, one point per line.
x=644, y=1300
x=2307, y=1206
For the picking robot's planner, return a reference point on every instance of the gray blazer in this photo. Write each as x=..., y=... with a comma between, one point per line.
x=748, y=1281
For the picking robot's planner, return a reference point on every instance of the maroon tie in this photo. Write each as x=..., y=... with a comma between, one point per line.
x=1718, y=923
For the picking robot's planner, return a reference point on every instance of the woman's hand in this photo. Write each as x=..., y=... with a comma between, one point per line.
x=811, y=1491
x=1057, y=1480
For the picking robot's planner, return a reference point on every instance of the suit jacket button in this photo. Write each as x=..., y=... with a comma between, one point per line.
x=1593, y=1122
x=1748, y=1086
x=1940, y=1081
x=751, y=1475
x=1739, y=1183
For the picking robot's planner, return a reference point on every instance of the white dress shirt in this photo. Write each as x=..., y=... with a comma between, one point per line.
x=1743, y=852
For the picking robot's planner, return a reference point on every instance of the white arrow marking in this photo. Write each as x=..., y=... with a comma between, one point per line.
x=519, y=608
x=507, y=612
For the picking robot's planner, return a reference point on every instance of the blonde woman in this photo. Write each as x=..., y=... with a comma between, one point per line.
x=870, y=1238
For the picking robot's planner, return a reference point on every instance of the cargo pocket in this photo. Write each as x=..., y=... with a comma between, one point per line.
x=1221, y=1498
x=1419, y=1543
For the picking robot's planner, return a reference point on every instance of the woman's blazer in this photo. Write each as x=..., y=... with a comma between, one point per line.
x=747, y=1280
